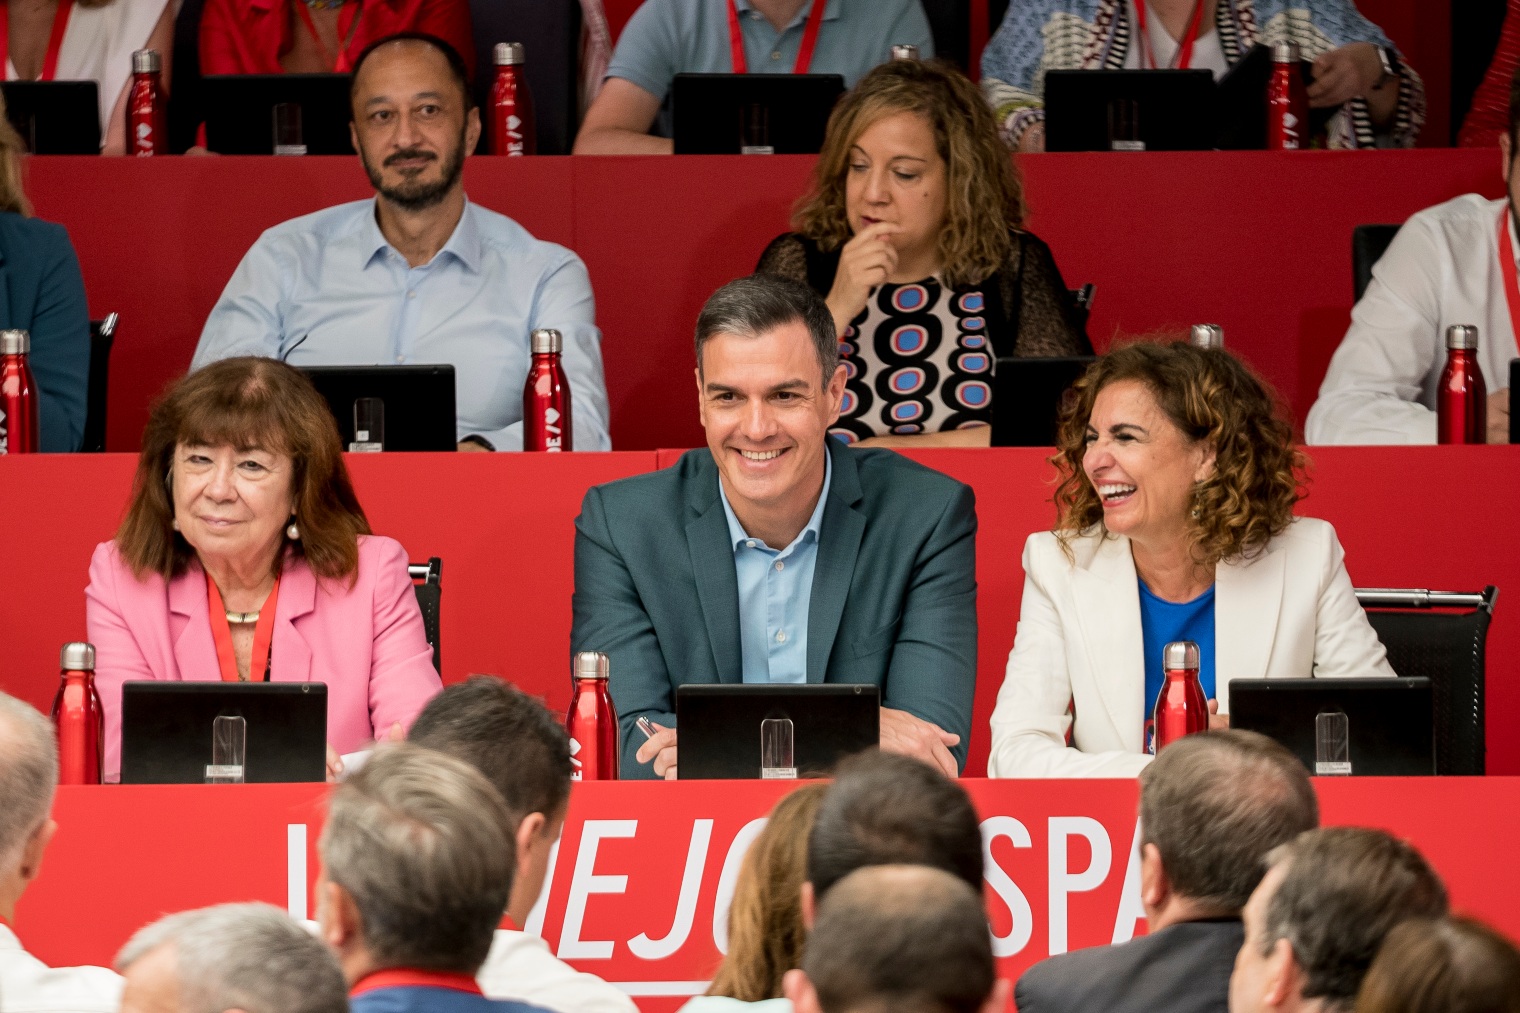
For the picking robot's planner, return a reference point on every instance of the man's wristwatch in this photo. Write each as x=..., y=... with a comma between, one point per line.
x=1390, y=69
x=481, y=440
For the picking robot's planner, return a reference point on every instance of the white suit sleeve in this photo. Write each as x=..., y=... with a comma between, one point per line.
x=1033, y=712
x=1371, y=392
x=1345, y=644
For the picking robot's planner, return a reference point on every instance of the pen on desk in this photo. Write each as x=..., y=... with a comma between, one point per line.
x=646, y=726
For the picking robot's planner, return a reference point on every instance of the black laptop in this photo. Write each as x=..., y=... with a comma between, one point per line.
x=55, y=117
x=1389, y=722
x=722, y=727
x=416, y=405
x=1173, y=110
x=1027, y=395
x=733, y=114
x=166, y=730
x=241, y=112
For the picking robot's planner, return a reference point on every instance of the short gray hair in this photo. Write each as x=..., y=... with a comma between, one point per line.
x=28, y=773
x=1214, y=804
x=758, y=304
x=1344, y=889
x=243, y=956
x=415, y=838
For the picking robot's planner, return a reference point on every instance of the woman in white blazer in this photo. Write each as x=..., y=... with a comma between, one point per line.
x=1175, y=521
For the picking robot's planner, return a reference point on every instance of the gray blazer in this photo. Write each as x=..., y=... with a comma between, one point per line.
x=1184, y=968
x=893, y=601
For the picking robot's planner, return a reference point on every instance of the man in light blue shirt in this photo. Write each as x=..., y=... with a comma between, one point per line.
x=418, y=274
x=669, y=37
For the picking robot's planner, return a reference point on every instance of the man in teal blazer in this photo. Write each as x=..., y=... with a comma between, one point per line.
x=779, y=554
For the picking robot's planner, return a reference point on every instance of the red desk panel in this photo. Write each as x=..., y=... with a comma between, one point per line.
x=637, y=891
x=504, y=525
x=1256, y=241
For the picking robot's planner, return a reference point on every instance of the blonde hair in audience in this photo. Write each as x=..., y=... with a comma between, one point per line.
x=12, y=196
x=28, y=774
x=984, y=195
x=1211, y=396
x=1443, y=965
x=765, y=930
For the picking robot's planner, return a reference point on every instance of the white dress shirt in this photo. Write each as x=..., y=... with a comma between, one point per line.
x=521, y=968
x=1208, y=52
x=327, y=289
x=1078, y=662
x=1442, y=269
x=27, y=985
x=98, y=44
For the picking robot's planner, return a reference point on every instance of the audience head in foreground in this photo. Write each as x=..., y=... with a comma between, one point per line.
x=899, y=938
x=1178, y=478
x=769, y=502
x=1211, y=808
x=415, y=871
x=1442, y=965
x=244, y=528
x=252, y=958
x=765, y=926
x=1320, y=914
x=915, y=208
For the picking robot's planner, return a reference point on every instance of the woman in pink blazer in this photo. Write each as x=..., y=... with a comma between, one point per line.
x=245, y=556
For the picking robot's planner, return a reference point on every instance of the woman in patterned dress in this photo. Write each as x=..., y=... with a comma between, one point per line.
x=913, y=234
x=1381, y=99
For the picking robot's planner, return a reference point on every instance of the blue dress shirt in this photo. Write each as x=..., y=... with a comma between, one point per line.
x=775, y=589
x=425, y=999
x=1162, y=622
x=328, y=289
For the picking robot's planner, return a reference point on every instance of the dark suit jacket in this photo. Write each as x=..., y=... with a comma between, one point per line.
x=893, y=600
x=42, y=291
x=1184, y=968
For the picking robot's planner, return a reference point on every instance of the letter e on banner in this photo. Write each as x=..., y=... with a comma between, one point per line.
x=584, y=883
x=686, y=906
x=1064, y=882
x=1003, y=885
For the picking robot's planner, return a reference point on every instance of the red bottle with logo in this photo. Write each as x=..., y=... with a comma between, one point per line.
x=1287, y=101
x=147, y=125
x=511, y=104
x=18, y=395
x=1181, y=708
x=546, y=396
x=1461, y=396
x=76, y=713
x=592, y=721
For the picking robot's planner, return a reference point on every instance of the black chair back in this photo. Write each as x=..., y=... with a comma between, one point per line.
x=1448, y=648
x=1368, y=244
x=102, y=336
x=428, y=584
x=1081, y=302
x=551, y=35
x=950, y=24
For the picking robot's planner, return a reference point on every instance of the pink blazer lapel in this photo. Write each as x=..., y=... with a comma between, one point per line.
x=290, y=653
x=194, y=650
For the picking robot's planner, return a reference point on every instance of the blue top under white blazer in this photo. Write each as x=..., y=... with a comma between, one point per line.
x=42, y=291
x=1078, y=658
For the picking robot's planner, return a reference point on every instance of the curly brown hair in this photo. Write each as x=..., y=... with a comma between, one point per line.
x=1209, y=395
x=246, y=402
x=984, y=195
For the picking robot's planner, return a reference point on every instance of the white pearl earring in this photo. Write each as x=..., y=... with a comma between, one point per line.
x=292, y=532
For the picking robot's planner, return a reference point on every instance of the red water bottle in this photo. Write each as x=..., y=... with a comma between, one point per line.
x=546, y=396
x=511, y=103
x=1206, y=336
x=592, y=723
x=18, y=395
x=76, y=713
x=1287, y=102
x=146, y=120
x=1462, y=397
x=1180, y=708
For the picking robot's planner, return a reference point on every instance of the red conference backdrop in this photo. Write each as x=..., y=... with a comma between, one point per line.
x=644, y=871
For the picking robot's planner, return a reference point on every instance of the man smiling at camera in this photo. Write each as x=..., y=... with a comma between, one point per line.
x=419, y=274
x=778, y=555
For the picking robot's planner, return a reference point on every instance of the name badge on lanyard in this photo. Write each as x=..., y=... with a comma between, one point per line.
x=804, y=52
x=55, y=39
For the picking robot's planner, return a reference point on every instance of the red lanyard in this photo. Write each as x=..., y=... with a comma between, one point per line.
x=1185, y=46
x=55, y=40
x=804, y=52
x=1508, y=270
x=402, y=977
x=348, y=23
x=221, y=632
